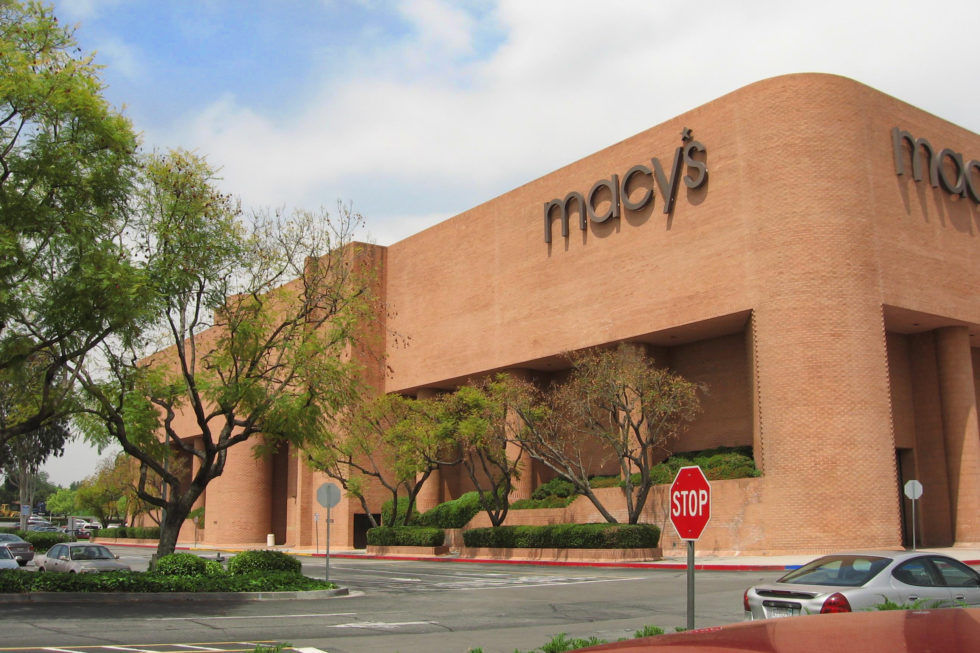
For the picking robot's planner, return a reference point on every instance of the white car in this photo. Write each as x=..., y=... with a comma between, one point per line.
x=79, y=558
x=849, y=582
x=7, y=560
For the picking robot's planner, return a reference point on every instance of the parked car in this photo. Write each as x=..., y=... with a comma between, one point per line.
x=847, y=582
x=22, y=550
x=79, y=558
x=912, y=631
x=7, y=560
x=42, y=528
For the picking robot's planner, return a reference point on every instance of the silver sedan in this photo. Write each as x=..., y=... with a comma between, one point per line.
x=79, y=558
x=849, y=582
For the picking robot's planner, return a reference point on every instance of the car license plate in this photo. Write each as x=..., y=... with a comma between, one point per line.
x=781, y=612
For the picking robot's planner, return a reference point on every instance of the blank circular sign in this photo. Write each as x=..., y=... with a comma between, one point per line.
x=328, y=495
x=913, y=490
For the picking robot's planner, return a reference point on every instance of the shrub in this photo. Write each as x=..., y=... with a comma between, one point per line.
x=547, y=502
x=556, y=487
x=566, y=536
x=133, y=581
x=389, y=518
x=134, y=532
x=263, y=561
x=181, y=564
x=213, y=568
x=452, y=514
x=406, y=536
x=604, y=481
x=43, y=541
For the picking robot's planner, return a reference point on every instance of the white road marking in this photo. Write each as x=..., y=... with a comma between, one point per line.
x=384, y=625
x=62, y=650
x=259, y=616
x=197, y=648
x=309, y=649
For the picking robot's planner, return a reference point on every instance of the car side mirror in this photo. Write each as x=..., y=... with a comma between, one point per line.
x=62, y=557
x=116, y=556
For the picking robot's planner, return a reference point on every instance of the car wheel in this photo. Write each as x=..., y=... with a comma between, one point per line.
x=40, y=570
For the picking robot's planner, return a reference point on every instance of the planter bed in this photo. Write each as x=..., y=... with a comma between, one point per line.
x=407, y=550
x=563, y=555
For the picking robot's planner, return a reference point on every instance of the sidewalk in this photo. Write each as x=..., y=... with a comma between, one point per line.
x=970, y=556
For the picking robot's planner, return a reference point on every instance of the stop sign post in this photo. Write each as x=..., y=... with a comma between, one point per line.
x=690, y=511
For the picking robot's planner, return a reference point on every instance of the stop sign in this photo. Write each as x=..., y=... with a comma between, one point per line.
x=690, y=502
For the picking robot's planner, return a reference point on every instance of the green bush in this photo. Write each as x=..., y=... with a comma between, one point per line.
x=556, y=487
x=452, y=514
x=547, y=502
x=248, y=562
x=213, y=568
x=566, y=536
x=406, y=536
x=133, y=532
x=133, y=581
x=721, y=463
x=43, y=541
x=388, y=517
x=598, y=482
x=181, y=564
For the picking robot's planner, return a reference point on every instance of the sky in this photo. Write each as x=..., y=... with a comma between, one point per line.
x=413, y=111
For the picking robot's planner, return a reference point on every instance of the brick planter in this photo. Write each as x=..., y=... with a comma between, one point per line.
x=407, y=550
x=563, y=555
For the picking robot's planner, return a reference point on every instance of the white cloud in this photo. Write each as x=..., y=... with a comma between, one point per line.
x=569, y=77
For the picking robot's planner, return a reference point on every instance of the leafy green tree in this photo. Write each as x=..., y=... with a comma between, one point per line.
x=66, y=161
x=389, y=440
x=478, y=419
x=615, y=405
x=254, y=324
x=22, y=457
x=62, y=502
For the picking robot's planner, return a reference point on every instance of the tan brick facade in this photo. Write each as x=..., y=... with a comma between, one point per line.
x=829, y=304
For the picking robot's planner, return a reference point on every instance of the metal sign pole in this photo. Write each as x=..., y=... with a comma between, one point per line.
x=316, y=531
x=327, y=572
x=913, y=524
x=690, y=584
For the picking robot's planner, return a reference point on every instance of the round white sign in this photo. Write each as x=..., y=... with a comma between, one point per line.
x=913, y=490
x=328, y=495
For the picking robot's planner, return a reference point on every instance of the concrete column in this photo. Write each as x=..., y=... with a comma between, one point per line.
x=239, y=506
x=960, y=431
x=431, y=494
x=529, y=469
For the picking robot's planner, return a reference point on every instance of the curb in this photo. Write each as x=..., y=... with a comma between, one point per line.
x=669, y=566
x=159, y=597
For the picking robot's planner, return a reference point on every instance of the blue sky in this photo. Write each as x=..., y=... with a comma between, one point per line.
x=415, y=110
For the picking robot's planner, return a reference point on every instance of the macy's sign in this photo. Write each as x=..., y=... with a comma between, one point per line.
x=617, y=189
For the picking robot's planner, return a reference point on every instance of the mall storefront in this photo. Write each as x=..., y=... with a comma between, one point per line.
x=806, y=247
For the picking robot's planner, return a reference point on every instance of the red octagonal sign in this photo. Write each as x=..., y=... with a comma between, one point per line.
x=690, y=502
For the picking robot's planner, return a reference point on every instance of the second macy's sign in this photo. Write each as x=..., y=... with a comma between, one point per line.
x=618, y=189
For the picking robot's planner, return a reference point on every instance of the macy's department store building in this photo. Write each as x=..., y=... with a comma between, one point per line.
x=807, y=247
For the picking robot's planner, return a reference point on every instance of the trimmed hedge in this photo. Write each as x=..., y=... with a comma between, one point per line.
x=12, y=581
x=452, y=514
x=181, y=564
x=388, y=514
x=406, y=536
x=248, y=562
x=546, y=502
x=40, y=540
x=134, y=532
x=565, y=536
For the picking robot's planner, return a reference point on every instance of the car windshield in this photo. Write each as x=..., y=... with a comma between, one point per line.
x=840, y=571
x=91, y=553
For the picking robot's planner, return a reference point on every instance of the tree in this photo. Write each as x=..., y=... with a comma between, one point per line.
x=479, y=420
x=66, y=160
x=253, y=327
x=615, y=405
x=389, y=440
x=21, y=458
x=103, y=494
x=62, y=502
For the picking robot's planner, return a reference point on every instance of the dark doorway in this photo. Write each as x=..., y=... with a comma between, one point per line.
x=361, y=526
